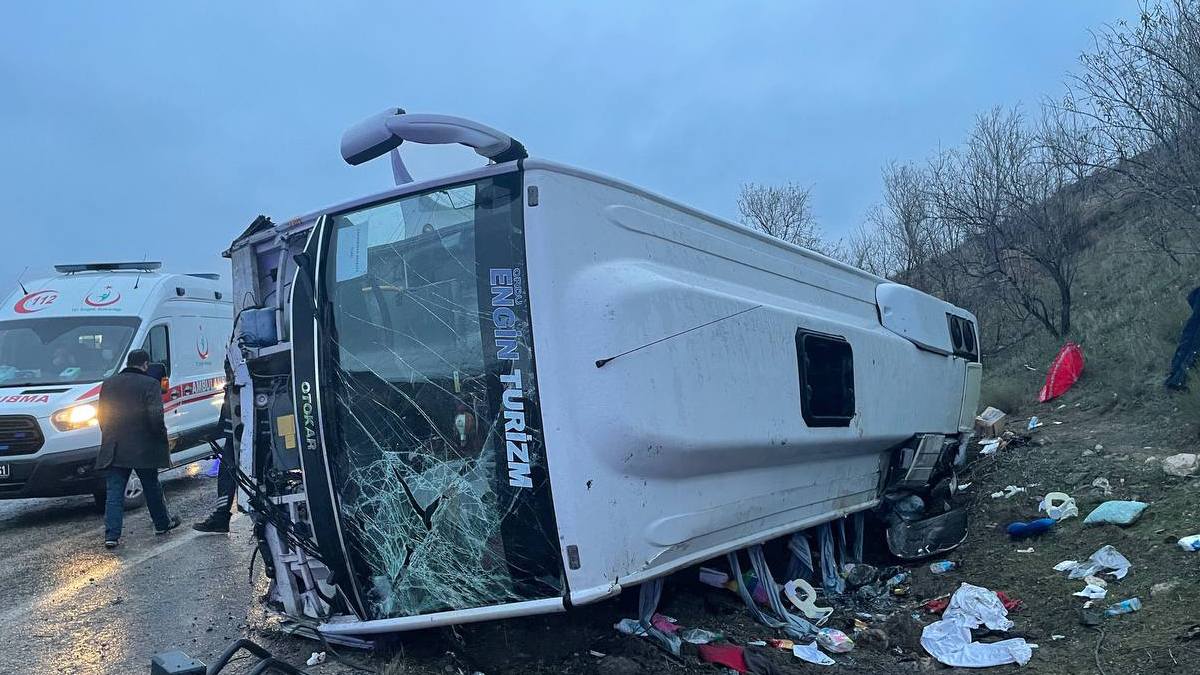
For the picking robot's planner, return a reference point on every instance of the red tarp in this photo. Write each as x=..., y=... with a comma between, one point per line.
x=1067, y=368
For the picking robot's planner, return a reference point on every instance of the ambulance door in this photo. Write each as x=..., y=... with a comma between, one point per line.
x=197, y=384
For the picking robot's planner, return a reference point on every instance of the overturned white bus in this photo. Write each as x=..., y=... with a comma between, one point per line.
x=524, y=387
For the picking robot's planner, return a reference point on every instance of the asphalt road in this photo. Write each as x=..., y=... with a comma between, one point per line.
x=71, y=606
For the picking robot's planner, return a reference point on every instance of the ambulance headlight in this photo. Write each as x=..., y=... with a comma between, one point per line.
x=75, y=417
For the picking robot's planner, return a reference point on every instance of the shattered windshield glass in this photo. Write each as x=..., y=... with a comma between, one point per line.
x=437, y=457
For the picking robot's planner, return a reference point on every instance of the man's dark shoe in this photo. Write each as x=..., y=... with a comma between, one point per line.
x=110, y=543
x=215, y=522
x=175, y=522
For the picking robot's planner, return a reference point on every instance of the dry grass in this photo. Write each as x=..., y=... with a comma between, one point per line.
x=1130, y=304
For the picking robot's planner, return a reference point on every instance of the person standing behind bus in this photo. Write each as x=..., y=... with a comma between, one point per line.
x=133, y=437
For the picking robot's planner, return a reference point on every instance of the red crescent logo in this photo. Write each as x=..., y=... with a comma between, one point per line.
x=104, y=298
x=35, y=302
x=202, y=347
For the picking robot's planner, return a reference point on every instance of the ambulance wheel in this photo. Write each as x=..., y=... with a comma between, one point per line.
x=135, y=497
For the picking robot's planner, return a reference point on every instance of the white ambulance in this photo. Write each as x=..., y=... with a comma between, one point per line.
x=61, y=337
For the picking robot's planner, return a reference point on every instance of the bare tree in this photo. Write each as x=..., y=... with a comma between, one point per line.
x=783, y=211
x=1140, y=92
x=1011, y=206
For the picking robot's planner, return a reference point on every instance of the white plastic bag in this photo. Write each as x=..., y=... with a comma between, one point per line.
x=810, y=653
x=1092, y=591
x=1107, y=558
x=949, y=640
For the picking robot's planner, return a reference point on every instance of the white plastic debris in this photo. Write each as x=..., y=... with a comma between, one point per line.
x=1033, y=423
x=1183, y=464
x=1092, y=592
x=1191, y=543
x=1025, y=550
x=949, y=640
x=1103, y=485
x=810, y=653
x=990, y=448
x=597, y=654
x=1059, y=506
x=964, y=486
x=1008, y=492
x=804, y=598
x=1107, y=558
x=1095, y=581
x=316, y=658
x=1058, y=637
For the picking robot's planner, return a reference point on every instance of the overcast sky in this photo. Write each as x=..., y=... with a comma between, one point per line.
x=162, y=129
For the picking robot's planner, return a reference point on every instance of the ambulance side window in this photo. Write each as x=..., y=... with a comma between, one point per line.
x=159, y=346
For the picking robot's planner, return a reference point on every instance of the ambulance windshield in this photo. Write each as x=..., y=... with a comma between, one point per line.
x=62, y=350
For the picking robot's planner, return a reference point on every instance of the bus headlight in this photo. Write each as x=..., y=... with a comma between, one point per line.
x=75, y=417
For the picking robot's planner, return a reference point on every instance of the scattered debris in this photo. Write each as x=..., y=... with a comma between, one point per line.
x=939, y=605
x=989, y=423
x=719, y=579
x=1036, y=528
x=730, y=656
x=699, y=636
x=596, y=654
x=941, y=567
x=1103, y=485
x=990, y=448
x=1190, y=543
x=861, y=575
x=1008, y=492
x=1092, y=592
x=808, y=603
x=1182, y=464
x=316, y=658
x=1124, y=607
x=1025, y=550
x=810, y=653
x=1059, y=506
x=1057, y=637
x=634, y=627
x=1116, y=512
x=949, y=640
x=834, y=640
x=1033, y=423
x=1064, y=371
x=1106, y=558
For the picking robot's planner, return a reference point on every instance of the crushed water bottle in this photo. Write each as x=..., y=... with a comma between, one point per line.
x=941, y=567
x=1124, y=607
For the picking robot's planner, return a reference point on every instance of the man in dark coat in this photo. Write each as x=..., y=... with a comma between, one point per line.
x=133, y=437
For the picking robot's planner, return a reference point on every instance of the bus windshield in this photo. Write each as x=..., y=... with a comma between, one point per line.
x=62, y=350
x=439, y=510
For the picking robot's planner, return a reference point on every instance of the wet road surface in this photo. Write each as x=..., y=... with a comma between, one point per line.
x=71, y=606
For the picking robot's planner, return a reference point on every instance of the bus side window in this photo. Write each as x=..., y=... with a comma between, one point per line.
x=826, y=379
x=159, y=346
